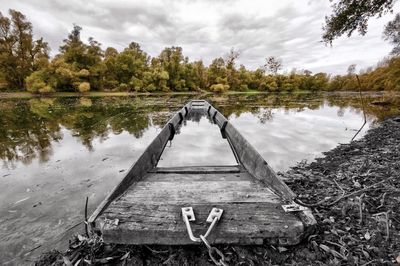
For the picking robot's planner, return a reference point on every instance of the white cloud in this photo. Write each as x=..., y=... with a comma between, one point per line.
x=207, y=29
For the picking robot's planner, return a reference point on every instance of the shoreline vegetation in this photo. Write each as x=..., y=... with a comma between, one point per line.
x=352, y=190
x=26, y=94
x=26, y=65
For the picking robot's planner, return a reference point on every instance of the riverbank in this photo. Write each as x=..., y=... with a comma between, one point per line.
x=353, y=191
x=25, y=94
x=11, y=95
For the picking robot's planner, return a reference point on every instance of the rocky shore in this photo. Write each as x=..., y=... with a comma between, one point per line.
x=353, y=190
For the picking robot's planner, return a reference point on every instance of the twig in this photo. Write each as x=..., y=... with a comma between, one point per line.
x=336, y=244
x=156, y=251
x=73, y=226
x=362, y=105
x=341, y=196
x=361, y=207
x=324, y=200
x=366, y=189
x=29, y=251
x=86, y=220
x=169, y=259
x=387, y=226
x=382, y=200
x=369, y=262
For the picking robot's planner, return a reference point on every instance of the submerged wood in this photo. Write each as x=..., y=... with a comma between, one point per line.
x=145, y=207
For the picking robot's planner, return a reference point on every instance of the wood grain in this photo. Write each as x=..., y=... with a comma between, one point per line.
x=241, y=223
x=145, y=208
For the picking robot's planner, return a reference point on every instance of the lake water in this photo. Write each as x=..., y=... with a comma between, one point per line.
x=55, y=152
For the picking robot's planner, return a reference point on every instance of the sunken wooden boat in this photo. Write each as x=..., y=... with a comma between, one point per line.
x=150, y=203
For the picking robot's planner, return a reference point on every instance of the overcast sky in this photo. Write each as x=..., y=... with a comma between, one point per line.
x=205, y=29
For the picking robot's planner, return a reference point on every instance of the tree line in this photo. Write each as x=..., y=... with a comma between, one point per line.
x=81, y=66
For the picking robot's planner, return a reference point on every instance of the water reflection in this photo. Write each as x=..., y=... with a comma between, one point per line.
x=57, y=151
x=198, y=142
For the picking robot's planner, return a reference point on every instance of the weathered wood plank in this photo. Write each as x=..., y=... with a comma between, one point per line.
x=194, y=177
x=242, y=223
x=198, y=169
x=199, y=191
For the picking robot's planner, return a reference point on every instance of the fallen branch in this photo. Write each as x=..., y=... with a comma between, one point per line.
x=343, y=196
x=362, y=105
x=86, y=219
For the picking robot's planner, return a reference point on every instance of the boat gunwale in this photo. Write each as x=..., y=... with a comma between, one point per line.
x=247, y=157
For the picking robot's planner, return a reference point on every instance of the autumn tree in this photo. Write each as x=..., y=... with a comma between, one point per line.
x=217, y=75
x=79, y=66
x=20, y=54
x=231, y=72
x=200, y=74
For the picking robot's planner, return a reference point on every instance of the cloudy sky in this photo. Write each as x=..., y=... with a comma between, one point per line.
x=205, y=29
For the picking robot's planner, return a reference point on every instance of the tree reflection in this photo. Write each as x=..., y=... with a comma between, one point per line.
x=30, y=126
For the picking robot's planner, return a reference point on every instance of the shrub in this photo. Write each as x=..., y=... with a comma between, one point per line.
x=83, y=73
x=136, y=83
x=151, y=87
x=36, y=84
x=46, y=89
x=84, y=87
x=219, y=88
x=123, y=87
x=86, y=102
x=244, y=87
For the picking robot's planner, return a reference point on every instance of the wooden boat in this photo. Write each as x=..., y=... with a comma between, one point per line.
x=148, y=205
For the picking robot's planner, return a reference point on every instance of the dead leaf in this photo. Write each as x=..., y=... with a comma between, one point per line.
x=67, y=261
x=367, y=236
x=125, y=256
x=81, y=238
x=325, y=248
x=366, y=254
x=282, y=249
x=104, y=260
x=77, y=263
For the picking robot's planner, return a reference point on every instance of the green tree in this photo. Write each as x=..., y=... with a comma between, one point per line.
x=257, y=80
x=351, y=15
x=244, y=78
x=20, y=54
x=321, y=81
x=216, y=71
x=172, y=60
x=76, y=56
x=392, y=34
x=127, y=67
